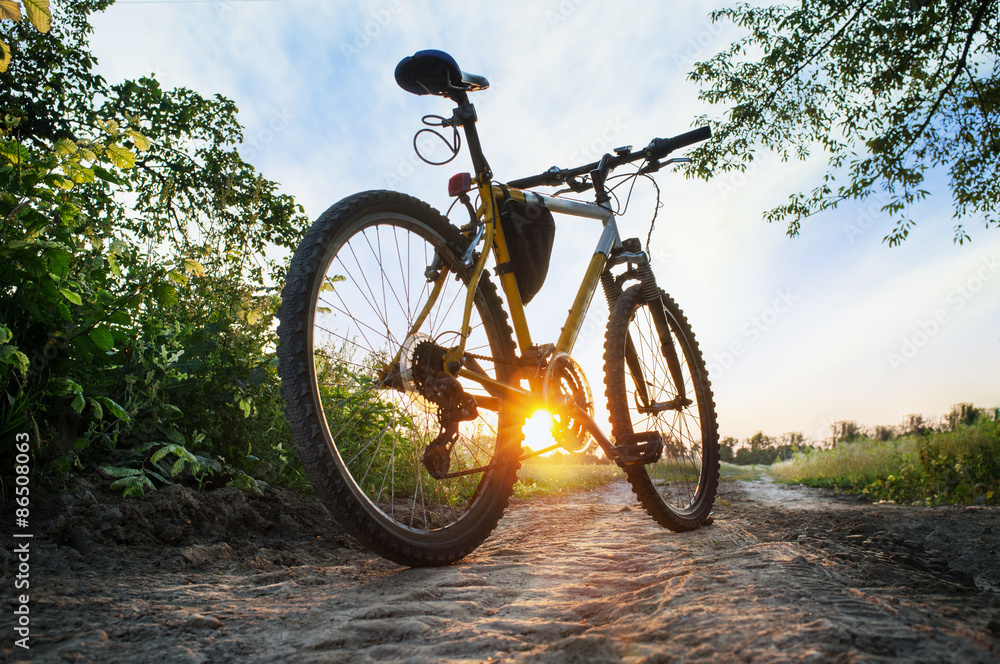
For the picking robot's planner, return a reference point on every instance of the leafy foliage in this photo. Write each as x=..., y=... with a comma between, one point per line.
x=890, y=91
x=960, y=463
x=136, y=315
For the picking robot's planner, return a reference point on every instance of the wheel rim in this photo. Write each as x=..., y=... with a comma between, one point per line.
x=373, y=289
x=678, y=476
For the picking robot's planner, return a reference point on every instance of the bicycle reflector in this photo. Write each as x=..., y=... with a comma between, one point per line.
x=459, y=184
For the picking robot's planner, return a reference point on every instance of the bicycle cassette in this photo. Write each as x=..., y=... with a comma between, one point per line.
x=565, y=381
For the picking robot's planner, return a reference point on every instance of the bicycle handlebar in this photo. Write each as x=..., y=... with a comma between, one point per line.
x=657, y=149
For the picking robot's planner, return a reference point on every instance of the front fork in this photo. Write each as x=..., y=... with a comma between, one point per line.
x=634, y=256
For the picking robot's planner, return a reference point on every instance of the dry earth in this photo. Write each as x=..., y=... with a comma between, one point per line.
x=783, y=575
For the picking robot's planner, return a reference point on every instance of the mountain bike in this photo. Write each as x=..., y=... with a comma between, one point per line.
x=407, y=382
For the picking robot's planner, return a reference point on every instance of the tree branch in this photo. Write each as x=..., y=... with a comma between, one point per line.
x=815, y=54
x=959, y=67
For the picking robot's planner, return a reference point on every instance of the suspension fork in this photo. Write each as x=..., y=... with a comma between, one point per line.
x=651, y=296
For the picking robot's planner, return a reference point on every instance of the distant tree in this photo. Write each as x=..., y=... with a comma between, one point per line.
x=845, y=431
x=888, y=90
x=962, y=414
x=883, y=433
x=726, y=446
x=915, y=424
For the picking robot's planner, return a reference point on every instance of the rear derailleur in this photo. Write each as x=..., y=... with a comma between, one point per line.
x=454, y=404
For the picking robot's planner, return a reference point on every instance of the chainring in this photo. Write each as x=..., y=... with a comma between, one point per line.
x=564, y=379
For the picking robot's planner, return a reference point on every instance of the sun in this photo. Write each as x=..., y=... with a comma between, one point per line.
x=538, y=431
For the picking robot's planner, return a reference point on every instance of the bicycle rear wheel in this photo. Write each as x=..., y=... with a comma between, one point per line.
x=348, y=351
x=645, y=395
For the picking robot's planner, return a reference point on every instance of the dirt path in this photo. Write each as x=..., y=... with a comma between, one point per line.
x=783, y=575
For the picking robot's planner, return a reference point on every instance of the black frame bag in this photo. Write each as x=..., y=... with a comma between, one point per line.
x=529, y=231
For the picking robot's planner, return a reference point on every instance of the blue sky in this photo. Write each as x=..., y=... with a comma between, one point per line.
x=798, y=333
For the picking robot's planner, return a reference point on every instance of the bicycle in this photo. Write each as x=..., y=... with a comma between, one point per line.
x=407, y=389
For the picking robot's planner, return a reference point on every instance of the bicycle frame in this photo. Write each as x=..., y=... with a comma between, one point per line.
x=608, y=253
x=608, y=241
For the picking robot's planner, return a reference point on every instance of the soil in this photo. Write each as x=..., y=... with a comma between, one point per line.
x=784, y=574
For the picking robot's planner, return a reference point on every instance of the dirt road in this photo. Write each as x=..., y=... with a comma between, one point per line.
x=783, y=575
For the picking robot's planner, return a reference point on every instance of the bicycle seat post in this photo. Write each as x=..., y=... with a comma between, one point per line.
x=465, y=116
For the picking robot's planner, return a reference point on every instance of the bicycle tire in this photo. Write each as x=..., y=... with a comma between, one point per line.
x=679, y=489
x=354, y=286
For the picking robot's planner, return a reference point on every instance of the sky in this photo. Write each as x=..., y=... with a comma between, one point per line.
x=797, y=333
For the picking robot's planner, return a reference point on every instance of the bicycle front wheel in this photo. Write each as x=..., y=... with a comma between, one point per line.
x=364, y=277
x=658, y=383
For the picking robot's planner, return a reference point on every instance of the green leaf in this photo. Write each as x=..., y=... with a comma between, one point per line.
x=165, y=294
x=116, y=471
x=95, y=406
x=162, y=452
x=141, y=142
x=78, y=404
x=102, y=337
x=120, y=318
x=121, y=157
x=39, y=14
x=177, y=467
x=114, y=408
x=71, y=296
x=64, y=312
x=5, y=334
x=106, y=175
x=4, y=57
x=64, y=146
x=193, y=267
x=65, y=387
x=13, y=151
x=178, y=277
x=20, y=360
x=173, y=434
x=10, y=10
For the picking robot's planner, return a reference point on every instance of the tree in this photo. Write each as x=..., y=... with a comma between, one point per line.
x=136, y=296
x=38, y=13
x=890, y=91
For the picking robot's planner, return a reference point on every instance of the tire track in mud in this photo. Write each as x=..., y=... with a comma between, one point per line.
x=783, y=575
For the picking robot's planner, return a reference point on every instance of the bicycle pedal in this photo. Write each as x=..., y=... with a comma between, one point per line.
x=638, y=448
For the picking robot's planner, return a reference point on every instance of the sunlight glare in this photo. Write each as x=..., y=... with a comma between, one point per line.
x=538, y=431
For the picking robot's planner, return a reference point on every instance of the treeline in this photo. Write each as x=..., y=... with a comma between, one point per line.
x=766, y=450
x=136, y=296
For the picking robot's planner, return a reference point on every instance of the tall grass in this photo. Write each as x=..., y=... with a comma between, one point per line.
x=960, y=466
x=542, y=478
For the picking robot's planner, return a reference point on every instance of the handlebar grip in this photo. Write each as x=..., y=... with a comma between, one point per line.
x=546, y=178
x=661, y=147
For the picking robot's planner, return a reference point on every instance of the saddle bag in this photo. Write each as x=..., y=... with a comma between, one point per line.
x=529, y=231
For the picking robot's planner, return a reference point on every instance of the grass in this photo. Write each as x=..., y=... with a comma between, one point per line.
x=961, y=466
x=850, y=463
x=543, y=477
x=730, y=472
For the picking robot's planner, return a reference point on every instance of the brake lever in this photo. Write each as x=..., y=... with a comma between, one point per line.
x=654, y=166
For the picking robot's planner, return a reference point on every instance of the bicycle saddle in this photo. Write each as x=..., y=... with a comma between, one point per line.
x=436, y=73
